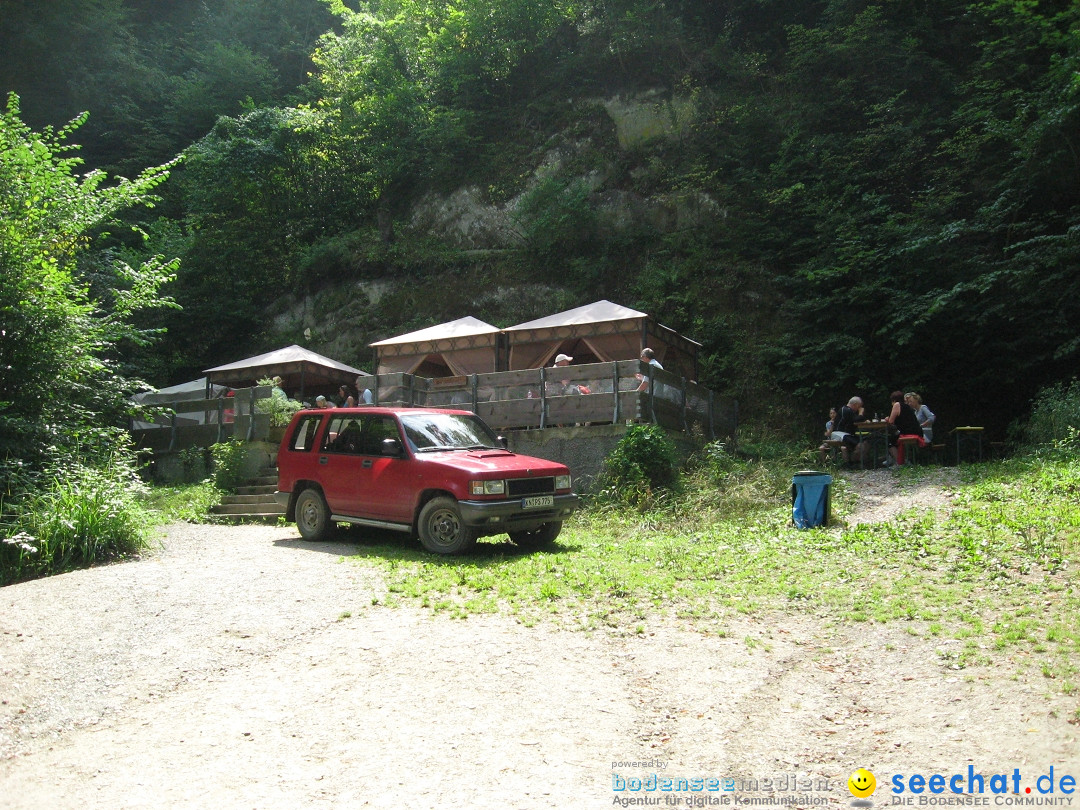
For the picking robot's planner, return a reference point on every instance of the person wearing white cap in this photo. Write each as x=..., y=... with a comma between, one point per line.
x=562, y=386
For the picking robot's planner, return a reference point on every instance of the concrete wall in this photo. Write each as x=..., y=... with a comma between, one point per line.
x=179, y=467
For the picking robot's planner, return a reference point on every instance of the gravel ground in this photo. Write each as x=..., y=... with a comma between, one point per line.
x=881, y=495
x=243, y=667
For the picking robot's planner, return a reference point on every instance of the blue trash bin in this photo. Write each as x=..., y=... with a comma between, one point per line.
x=810, y=498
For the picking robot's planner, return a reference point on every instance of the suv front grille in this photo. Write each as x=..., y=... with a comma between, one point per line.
x=530, y=486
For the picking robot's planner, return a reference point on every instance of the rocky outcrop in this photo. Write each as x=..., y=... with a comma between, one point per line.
x=648, y=116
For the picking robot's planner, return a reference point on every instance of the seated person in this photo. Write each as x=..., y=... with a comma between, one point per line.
x=825, y=448
x=902, y=418
x=844, y=430
x=922, y=413
x=561, y=387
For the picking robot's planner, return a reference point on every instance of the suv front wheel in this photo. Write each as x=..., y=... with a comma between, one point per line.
x=312, y=515
x=441, y=529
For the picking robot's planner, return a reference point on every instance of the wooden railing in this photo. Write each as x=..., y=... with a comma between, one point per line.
x=533, y=398
x=507, y=400
x=179, y=424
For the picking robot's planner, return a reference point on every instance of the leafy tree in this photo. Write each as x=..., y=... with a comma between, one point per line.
x=404, y=84
x=61, y=326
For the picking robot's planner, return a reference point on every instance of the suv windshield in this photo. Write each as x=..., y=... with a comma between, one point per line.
x=427, y=432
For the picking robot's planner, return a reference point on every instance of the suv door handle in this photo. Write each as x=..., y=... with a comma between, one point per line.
x=323, y=459
x=366, y=464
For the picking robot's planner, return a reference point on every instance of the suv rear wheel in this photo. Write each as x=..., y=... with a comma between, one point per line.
x=312, y=515
x=538, y=538
x=441, y=529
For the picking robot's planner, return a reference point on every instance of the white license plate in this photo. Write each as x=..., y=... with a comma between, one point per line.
x=537, y=501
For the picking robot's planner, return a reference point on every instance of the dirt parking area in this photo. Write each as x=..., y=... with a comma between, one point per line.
x=243, y=667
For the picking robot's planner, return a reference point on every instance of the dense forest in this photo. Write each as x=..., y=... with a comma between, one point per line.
x=832, y=196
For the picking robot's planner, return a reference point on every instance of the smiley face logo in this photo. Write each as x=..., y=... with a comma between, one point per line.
x=862, y=783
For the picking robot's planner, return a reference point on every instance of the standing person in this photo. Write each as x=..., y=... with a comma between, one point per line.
x=345, y=394
x=647, y=356
x=902, y=418
x=320, y=402
x=923, y=414
x=844, y=429
x=365, y=396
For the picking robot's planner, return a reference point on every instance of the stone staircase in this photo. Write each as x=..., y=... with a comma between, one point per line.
x=253, y=502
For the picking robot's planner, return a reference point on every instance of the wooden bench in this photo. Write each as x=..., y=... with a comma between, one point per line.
x=834, y=446
x=909, y=448
x=968, y=438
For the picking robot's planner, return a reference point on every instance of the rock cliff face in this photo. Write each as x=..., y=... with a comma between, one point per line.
x=467, y=219
x=341, y=319
x=648, y=116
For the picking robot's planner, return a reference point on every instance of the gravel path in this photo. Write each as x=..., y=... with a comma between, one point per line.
x=881, y=495
x=243, y=667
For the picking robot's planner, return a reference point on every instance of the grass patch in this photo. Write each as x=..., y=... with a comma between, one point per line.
x=997, y=575
x=81, y=514
x=184, y=502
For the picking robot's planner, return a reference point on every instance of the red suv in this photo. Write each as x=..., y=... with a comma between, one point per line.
x=439, y=474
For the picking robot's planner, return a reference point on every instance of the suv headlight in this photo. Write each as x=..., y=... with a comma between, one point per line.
x=562, y=482
x=487, y=487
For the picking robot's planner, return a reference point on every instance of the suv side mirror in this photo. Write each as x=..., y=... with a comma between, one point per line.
x=391, y=447
x=502, y=441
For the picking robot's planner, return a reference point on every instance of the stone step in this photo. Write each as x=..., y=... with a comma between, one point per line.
x=253, y=502
x=267, y=489
x=248, y=508
x=260, y=497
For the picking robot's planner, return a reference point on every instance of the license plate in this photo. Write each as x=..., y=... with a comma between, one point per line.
x=538, y=501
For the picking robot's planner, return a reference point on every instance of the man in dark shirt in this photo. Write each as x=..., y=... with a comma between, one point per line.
x=844, y=429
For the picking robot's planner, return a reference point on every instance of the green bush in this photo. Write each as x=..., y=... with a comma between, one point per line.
x=81, y=515
x=643, y=461
x=279, y=406
x=557, y=218
x=229, y=458
x=1055, y=417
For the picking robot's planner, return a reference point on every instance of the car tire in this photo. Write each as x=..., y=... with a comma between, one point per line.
x=538, y=538
x=441, y=529
x=312, y=515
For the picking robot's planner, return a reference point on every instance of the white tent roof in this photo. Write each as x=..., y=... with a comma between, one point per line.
x=301, y=370
x=596, y=312
x=197, y=389
x=462, y=327
x=288, y=355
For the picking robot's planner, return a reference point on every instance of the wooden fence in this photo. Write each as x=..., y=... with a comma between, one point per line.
x=532, y=398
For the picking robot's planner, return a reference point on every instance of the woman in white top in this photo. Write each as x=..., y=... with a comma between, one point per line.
x=922, y=413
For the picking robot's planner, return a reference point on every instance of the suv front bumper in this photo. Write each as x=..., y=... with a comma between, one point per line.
x=513, y=514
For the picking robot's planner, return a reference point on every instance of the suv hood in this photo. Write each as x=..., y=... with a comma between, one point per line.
x=493, y=461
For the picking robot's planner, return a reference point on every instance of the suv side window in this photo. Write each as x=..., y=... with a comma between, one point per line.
x=377, y=428
x=343, y=435
x=304, y=436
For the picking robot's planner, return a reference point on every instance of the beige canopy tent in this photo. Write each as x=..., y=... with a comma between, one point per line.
x=452, y=349
x=304, y=373
x=599, y=332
